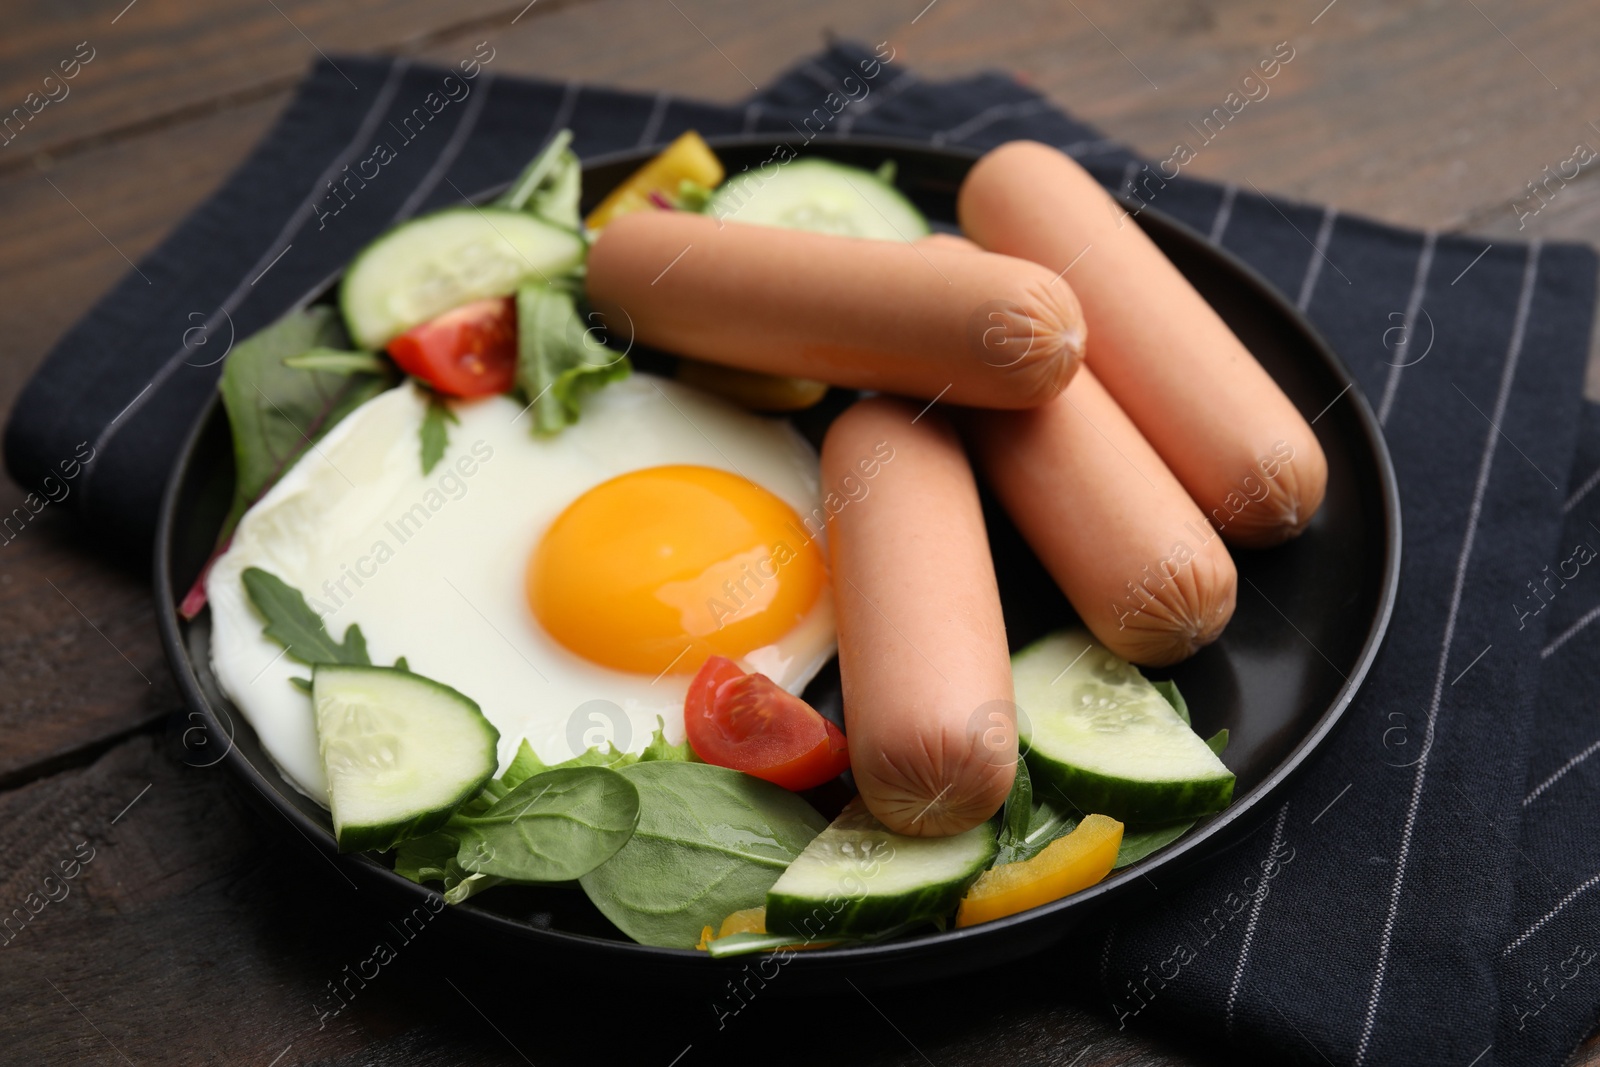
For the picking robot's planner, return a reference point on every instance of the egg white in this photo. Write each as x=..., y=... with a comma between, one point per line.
x=431, y=567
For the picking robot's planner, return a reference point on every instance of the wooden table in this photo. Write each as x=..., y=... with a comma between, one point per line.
x=203, y=933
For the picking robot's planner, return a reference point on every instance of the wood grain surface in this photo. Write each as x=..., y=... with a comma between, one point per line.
x=202, y=931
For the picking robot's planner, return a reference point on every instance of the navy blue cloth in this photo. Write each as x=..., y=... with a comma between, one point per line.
x=1429, y=890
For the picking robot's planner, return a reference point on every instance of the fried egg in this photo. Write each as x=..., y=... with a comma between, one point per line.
x=570, y=585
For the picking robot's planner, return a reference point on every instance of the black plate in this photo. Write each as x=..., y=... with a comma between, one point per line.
x=1267, y=681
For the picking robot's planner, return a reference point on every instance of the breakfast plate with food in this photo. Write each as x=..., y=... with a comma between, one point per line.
x=881, y=556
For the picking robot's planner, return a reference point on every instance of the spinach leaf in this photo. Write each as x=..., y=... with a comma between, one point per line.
x=1169, y=691
x=278, y=412
x=550, y=185
x=435, y=433
x=559, y=359
x=442, y=855
x=709, y=842
x=554, y=827
x=1218, y=742
x=296, y=627
x=1137, y=844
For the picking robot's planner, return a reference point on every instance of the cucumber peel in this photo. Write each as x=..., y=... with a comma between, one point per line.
x=858, y=877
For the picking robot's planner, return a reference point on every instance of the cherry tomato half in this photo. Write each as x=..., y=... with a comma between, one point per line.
x=747, y=722
x=468, y=351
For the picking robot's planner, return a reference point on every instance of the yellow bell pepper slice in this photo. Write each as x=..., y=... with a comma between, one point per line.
x=1068, y=864
x=688, y=158
x=747, y=921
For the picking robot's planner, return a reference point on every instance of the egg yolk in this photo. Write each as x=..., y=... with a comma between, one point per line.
x=655, y=570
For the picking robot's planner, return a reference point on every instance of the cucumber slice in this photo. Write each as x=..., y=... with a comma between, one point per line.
x=819, y=195
x=424, y=268
x=1104, y=736
x=401, y=752
x=857, y=877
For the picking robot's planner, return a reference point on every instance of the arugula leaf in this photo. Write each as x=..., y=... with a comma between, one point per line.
x=559, y=361
x=709, y=842
x=278, y=412
x=292, y=623
x=338, y=361
x=435, y=433
x=1169, y=691
x=1030, y=823
x=549, y=186
x=1138, y=844
x=553, y=827
x=1218, y=742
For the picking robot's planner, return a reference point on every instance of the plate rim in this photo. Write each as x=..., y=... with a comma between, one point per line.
x=1190, y=845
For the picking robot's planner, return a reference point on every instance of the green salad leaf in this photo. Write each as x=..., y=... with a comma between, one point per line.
x=447, y=854
x=1218, y=742
x=692, y=196
x=277, y=411
x=429, y=858
x=659, y=749
x=1169, y=691
x=435, y=431
x=1054, y=816
x=1015, y=816
x=1137, y=844
x=709, y=842
x=559, y=359
x=292, y=623
x=550, y=185
x=1047, y=819
x=553, y=827
x=526, y=763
